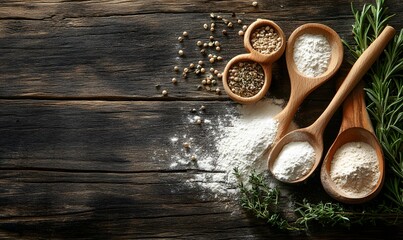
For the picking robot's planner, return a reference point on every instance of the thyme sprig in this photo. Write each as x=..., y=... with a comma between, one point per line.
x=264, y=202
x=384, y=91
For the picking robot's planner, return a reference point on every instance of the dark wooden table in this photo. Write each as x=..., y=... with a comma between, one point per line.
x=85, y=133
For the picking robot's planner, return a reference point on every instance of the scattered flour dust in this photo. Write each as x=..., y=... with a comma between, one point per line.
x=239, y=139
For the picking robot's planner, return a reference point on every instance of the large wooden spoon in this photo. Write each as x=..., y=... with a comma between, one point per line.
x=302, y=85
x=355, y=127
x=314, y=133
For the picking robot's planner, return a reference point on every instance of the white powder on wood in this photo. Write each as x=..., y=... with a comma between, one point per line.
x=239, y=139
x=294, y=161
x=312, y=54
x=355, y=169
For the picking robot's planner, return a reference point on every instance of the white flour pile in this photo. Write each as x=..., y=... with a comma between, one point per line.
x=294, y=161
x=238, y=139
x=355, y=169
x=312, y=54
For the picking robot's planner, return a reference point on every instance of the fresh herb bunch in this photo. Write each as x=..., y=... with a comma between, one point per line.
x=384, y=91
x=262, y=201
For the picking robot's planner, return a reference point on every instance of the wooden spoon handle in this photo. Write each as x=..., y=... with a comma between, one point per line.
x=358, y=70
x=355, y=113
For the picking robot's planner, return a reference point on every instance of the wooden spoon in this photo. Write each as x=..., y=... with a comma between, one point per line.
x=314, y=133
x=355, y=127
x=265, y=60
x=301, y=85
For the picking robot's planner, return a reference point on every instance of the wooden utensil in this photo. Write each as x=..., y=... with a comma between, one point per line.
x=301, y=85
x=314, y=133
x=265, y=60
x=355, y=127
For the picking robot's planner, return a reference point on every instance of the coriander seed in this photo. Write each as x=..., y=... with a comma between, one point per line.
x=239, y=21
x=218, y=49
x=219, y=58
x=174, y=81
x=200, y=62
x=202, y=70
x=241, y=33
x=185, y=34
x=205, y=45
x=176, y=68
x=211, y=60
x=186, y=70
x=199, y=43
x=191, y=65
x=265, y=40
x=181, y=53
x=164, y=93
x=246, y=79
x=244, y=27
x=180, y=39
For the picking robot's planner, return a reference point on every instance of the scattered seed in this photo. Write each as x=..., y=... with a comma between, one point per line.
x=219, y=17
x=193, y=158
x=239, y=21
x=191, y=65
x=219, y=58
x=186, y=145
x=211, y=60
x=181, y=53
x=218, y=49
x=219, y=75
x=180, y=39
x=244, y=27
x=241, y=33
x=211, y=70
x=215, y=71
x=174, y=81
x=211, y=38
x=254, y=3
x=202, y=108
x=193, y=110
x=185, y=34
x=203, y=51
x=224, y=32
x=230, y=25
x=218, y=91
x=212, y=29
x=214, y=82
x=199, y=43
x=205, y=26
x=176, y=68
x=164, y=93
x=200, y=62
x=212, y=15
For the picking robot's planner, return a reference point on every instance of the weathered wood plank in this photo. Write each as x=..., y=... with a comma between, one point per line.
x=104, y=135
x=124, y=55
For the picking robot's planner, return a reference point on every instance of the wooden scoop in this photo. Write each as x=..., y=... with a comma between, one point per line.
x=301, y=85
x=314, y=133
x=355, y=127
x=265, y=60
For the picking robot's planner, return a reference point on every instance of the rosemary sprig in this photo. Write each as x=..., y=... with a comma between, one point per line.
x=384, y=91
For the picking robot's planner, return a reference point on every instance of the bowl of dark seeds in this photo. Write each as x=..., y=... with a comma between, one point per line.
x=245, y=80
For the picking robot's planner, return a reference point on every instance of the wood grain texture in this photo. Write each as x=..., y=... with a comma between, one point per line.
x=85, y=148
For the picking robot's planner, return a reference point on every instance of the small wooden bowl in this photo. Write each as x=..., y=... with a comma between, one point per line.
x=265, y=61
x=236, y=97
x=256, y=55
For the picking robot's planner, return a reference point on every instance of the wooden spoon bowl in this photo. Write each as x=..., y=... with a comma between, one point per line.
x=265, y=60
x=314, y=133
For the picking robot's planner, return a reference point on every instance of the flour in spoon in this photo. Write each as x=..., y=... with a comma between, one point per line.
x=355, y=169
